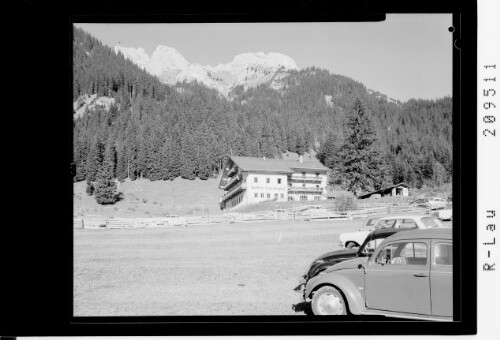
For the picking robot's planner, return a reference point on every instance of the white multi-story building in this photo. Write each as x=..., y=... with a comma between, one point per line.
x=249, y=180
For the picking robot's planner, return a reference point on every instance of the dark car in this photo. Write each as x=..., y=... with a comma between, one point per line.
x=331, y=258
x=409, y=275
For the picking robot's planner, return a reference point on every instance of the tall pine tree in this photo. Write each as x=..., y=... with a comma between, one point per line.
x=105, y=191
x=362, y=166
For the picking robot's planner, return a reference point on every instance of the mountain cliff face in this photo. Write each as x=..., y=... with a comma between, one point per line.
x=247, y=69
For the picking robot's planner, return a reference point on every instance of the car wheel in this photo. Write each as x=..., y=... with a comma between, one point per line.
x=328, y=301
x=351, y=245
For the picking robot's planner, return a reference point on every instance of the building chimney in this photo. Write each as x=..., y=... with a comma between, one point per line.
x=301, y=159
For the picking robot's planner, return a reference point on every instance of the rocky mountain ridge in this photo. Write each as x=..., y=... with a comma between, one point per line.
x=246, y=69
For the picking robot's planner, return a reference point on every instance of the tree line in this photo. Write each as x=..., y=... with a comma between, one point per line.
x=162, y=132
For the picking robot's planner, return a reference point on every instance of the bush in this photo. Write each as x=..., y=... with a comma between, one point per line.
x=345, y=201
x=105, y=192
x=90, y=189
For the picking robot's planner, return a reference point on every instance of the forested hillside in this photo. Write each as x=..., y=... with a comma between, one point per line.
x=162, y=132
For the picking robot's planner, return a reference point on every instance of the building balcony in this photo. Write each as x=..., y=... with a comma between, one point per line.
x=231, y=182
x=306, y=180
x=237, y=189
x=232, y=171
x=302, y=190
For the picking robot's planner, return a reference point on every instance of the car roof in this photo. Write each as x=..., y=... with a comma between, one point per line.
x=441, y=233
x=391, y=217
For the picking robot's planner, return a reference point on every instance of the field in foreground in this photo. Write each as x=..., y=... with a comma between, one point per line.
x=236, y=269
x=230, y=269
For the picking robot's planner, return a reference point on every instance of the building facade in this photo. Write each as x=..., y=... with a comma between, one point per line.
x=250, y=180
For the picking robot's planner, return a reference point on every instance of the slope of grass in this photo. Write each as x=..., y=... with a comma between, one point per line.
x=144, y=198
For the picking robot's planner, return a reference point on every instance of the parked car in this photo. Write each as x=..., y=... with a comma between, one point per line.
x=437, y=203
x=367, y=227
x=410, y=275
x=445, y=214
x=420, y=203
x=331, y=258
x=433, y=203
x=353, y=240
x=370, y=223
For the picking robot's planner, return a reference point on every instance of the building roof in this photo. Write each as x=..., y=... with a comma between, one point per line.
x=389, y=188
x=276, y=165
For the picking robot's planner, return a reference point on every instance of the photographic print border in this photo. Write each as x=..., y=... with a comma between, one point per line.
x=47, y=307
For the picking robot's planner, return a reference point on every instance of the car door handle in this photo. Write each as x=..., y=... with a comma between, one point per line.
x=421, y=275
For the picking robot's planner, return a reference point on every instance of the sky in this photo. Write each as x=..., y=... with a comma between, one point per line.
x=406, y=56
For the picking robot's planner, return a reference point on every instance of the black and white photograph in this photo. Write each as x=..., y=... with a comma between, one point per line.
x=236, y=169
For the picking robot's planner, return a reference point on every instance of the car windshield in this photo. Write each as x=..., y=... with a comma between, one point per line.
x=369, y=247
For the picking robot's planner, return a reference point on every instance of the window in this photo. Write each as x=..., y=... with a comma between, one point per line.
x=290, y=198
x=256, y=195
x=317, y=198
x=279, y=180
x=317, y=174
x=303, y=174
x=268, y=180
x=382, y=224
x=275, y=196
x=317, y=185
x=304, y=185
x=403, y=253
x=303, y=198
x=261, y=195
x=255, y=179
x=282, y=196
x=268, y=195
x=443, y=254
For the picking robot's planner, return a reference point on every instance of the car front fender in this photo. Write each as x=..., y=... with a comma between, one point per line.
x=355, y=298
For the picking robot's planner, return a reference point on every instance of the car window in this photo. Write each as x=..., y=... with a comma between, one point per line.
x=371, y=222
x=403, y=253
x=382, y=224
x=370, y=247
x=443, y=254
x=430, y=222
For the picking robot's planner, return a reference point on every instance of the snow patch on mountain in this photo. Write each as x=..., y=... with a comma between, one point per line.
x=329, y=100
x=382, y=96
x=246, y=69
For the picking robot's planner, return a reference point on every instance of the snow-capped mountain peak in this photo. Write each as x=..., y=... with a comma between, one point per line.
x=136, y=55
x=164, y=58
x=247, y=69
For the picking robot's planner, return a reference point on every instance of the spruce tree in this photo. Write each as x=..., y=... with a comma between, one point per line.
x=362, y=166
x=105, y=187
x=95, y=159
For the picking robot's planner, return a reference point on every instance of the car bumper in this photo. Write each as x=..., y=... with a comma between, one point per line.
x=301, y=288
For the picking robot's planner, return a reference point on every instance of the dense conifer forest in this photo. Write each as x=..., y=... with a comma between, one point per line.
x=161, y=132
